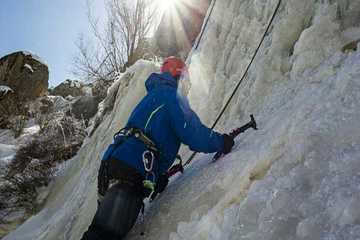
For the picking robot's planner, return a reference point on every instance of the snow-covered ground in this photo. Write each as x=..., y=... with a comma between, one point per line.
x=297, y=177
x=7, y=153
x=9, y=145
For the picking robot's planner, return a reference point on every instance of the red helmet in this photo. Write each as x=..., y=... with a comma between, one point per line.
x=175, y=66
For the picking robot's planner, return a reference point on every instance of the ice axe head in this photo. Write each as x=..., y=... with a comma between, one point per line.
x=253, y=122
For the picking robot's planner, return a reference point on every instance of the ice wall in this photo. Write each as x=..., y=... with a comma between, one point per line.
x=298, y=177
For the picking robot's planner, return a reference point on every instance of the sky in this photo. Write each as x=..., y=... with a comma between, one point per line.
x=47, y=28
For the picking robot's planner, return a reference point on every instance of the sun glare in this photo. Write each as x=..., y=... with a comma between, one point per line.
x=179, y=19
x=165, y=5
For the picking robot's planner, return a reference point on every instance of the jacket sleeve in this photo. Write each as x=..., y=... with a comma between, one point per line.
x=190, y=130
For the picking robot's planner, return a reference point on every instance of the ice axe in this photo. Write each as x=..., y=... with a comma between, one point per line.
x=180, y=167
x=252, y=124
x=234, y=133
x=176, y=168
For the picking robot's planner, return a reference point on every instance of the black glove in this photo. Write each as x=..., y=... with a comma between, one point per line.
x=103, y=178
x=228, y=144
x=160, y=186
x=161, y=183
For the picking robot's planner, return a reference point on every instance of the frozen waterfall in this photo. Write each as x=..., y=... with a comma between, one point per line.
x=297, y=177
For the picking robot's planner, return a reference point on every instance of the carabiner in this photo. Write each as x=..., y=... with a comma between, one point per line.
x=148, y=160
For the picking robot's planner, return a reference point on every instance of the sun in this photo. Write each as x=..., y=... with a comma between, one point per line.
x=165, y=5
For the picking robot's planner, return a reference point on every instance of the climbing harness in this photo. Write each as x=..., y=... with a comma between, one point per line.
x=243, y=76
x=148, y=156
x=138, y=134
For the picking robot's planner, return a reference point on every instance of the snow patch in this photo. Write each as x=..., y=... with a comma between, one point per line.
x=31, y=130
x=34, y=56
x=29, y=67
x=87, y=90
x=5, y=90
x=7, y=152
x=73, y=83
x=60, y=103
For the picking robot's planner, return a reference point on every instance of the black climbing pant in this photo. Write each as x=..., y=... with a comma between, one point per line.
x=115, y=216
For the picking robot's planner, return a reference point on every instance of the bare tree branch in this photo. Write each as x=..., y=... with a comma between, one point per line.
x=120, y=44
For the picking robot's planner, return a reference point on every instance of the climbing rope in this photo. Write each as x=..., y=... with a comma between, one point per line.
x=206, y=22
x=244, y=75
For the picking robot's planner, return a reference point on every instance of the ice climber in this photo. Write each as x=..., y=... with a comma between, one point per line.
x=135, y=164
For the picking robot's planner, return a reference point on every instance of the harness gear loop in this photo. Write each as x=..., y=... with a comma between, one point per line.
x=138, y=134
x=148, y=156
x=121, y=132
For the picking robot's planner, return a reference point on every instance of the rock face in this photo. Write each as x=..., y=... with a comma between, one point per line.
x=25, y=74
x=84, y=98
x=9, y=105
x=85, y=107
x=42, y=105
x=73, y=88
x=180, y=26
x=23, y=78
x=99, y=89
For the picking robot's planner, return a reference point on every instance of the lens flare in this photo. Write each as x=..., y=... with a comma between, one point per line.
x=165, y=5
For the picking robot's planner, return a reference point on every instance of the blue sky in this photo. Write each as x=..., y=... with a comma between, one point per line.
x=48, y=28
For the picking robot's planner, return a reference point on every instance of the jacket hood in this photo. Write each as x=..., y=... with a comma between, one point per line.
x=156, y=80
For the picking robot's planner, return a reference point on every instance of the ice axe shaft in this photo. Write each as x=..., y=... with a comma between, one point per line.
x=175, y=169
x=234, y=133
x=252, y=124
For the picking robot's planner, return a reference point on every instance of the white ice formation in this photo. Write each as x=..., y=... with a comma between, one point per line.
x=297, y=177
x=73, y=83
x=28, y=66
x=5, y=90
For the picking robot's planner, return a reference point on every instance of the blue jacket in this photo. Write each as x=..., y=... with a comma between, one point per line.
x=166, y=117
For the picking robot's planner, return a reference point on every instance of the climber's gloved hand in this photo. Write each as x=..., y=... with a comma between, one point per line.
x=161, y=183
x=228, y=143
x=160, y=186
x=103, y=178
